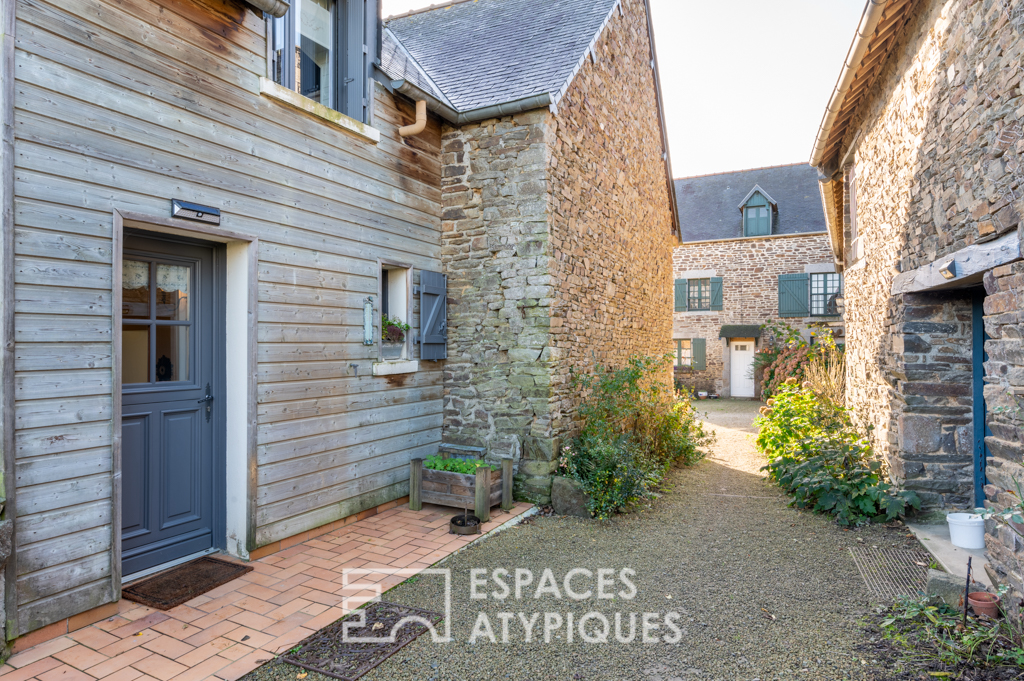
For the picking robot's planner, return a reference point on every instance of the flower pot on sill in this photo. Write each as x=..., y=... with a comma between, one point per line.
x=391, y=350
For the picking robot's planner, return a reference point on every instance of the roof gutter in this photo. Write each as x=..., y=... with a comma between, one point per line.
x=275, y=8
x=455, y=117
x=868, y=23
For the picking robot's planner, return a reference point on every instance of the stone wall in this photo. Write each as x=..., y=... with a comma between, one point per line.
x=1004, y=396
x=938, y=168
x=557, y=244
x=750, y=270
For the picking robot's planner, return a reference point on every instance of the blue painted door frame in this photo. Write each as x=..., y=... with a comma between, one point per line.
x=978, y=357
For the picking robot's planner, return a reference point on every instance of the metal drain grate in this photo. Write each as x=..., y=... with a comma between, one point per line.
x=891, y=573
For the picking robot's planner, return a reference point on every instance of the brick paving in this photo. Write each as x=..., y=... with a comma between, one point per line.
x=231, y=630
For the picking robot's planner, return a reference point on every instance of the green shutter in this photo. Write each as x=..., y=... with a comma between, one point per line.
x=716, y=293
x=700, y=354
x=679, y=352
x=794, y=295
x=681, y=294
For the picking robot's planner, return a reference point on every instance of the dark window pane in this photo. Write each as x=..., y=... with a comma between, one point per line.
x=172, y=290
x=699, y=294
x=172, y=353
x=134, y=354
x=134, y=289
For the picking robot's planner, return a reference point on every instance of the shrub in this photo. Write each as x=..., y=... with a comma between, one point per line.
x=817, y=456
x=826, y=372
x=634, y=428
x=791, y=362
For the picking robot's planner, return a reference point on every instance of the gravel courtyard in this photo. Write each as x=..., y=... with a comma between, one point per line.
x=761, y=591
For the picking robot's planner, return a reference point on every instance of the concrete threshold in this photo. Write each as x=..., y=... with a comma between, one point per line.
x=953, y=559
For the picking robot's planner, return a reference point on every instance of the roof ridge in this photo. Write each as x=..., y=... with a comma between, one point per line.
x=421, y=10
x=743, y=170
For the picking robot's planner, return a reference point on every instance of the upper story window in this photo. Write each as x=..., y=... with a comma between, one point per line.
x=700, y=294
x=825, y=290
x=322, y=50
x=757, y=209
x=697, y=294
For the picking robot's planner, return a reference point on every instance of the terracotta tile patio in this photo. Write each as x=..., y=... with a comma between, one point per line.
x=228, y=632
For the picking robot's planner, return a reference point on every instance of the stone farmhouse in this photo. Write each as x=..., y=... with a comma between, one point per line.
x=754, y=248
x=207, y=207
x=920, y=155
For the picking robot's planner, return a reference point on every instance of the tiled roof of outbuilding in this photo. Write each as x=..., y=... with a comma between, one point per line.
x=486, y=52
x=708, y=204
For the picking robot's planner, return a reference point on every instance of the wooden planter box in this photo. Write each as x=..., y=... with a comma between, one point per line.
x=478, y=491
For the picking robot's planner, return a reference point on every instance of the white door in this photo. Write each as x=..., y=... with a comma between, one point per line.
x=742, y=367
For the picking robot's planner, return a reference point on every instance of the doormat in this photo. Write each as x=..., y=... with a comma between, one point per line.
x=168, y=589
x=350, y=654
x=891, y=573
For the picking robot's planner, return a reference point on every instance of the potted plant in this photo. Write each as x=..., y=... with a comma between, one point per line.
x=462, y=483
x=393, y=337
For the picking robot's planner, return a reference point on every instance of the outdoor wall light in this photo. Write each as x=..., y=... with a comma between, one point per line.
x=368, y=321
x=948, y=271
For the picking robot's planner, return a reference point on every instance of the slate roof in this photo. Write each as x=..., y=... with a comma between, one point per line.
x=400, y=65
x=708, y=204
x=485, y=52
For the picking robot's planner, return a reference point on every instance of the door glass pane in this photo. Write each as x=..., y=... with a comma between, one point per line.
x=134, y=354
x=313, y=50
x=135, y=290
x=172, y=289
x=172, y=353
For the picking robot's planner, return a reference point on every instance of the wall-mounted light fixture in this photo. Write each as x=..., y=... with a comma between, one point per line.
x=368, y=321
x=193, y=211
x=948, y=271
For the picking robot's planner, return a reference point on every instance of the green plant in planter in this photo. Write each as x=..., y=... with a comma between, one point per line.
x=393, y=330
x=465, y=466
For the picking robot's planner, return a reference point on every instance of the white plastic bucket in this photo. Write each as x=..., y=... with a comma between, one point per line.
x=966, y=530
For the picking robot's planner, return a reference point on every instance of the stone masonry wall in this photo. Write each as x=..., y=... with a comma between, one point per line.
x=556, y=243
x=497, y=255
x=1004, y=396
x=750, y=270
x=612, y=222
x=938, y=168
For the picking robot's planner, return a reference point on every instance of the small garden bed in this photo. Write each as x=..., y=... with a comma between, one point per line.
x=914, y=640
x=634, y=428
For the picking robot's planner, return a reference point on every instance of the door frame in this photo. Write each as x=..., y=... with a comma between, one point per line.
x=239, y=278
x=728, y=346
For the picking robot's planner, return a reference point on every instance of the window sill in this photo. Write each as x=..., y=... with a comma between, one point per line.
x=395, y=366
x=293, y=99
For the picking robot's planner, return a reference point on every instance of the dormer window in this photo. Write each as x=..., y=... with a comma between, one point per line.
x=757, y=210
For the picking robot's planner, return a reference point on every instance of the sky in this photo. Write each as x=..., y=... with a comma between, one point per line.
x=745, y=82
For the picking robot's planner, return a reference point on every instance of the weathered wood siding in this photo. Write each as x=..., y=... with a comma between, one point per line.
x=125, y=104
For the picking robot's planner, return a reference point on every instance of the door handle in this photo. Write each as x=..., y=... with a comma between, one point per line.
x=208, y=399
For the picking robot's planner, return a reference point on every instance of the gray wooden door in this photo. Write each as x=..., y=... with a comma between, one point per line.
x=170, y=454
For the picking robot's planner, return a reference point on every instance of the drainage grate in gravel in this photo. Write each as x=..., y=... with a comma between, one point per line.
x=347, y=653
x=891, y=573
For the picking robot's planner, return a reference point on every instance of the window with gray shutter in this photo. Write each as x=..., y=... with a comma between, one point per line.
x=680, y=303
x=794, y=295
x=433, y=316
x=716, y=293
x=698, y=347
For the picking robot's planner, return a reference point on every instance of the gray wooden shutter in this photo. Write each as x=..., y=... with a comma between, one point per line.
x=433, y=316
x=716, y=293
x=700, y=354
x=352, y=97
x=681, y=294
x=794, y=295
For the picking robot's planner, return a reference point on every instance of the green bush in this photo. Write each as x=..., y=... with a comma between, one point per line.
x=465, y=466
x=817, y=456
x=634, y=428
